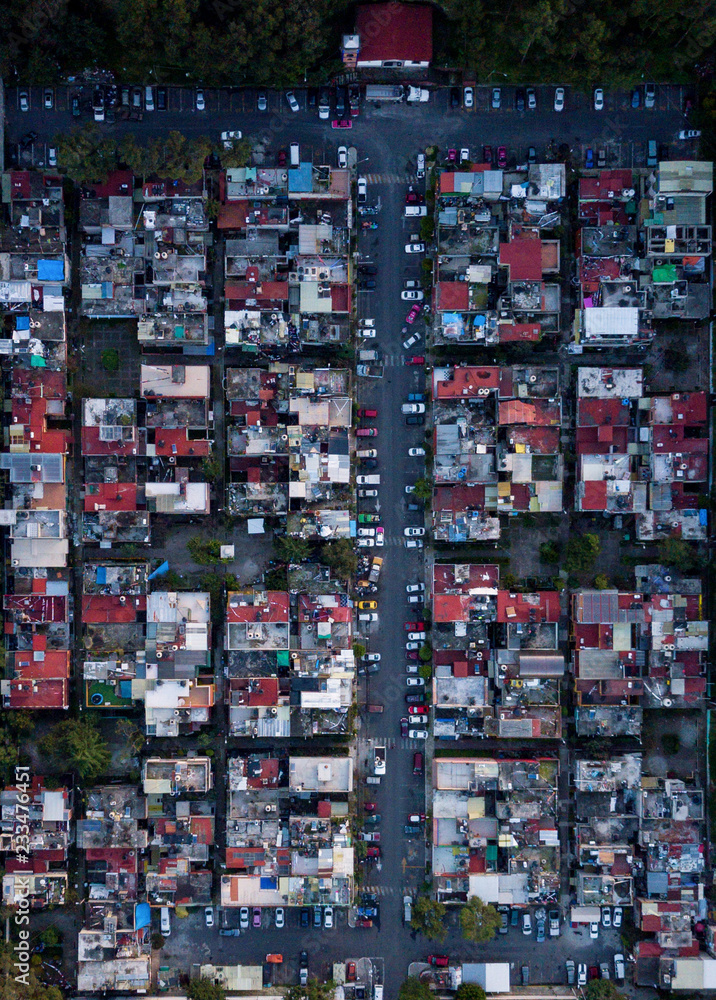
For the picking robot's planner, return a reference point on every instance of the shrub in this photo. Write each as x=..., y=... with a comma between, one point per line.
x=110, y=360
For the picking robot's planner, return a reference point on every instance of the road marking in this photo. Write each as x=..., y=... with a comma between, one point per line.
x=391, y=178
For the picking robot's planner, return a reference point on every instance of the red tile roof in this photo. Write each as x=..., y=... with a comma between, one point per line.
x=275, y=610
x=536, y=412
x=595, y=496
x=400, y=31
x=176, y=441
x=119, y=182
x=453, y=296
x=111, y=496
x=465, y=382
x=263, y=291
x=43, y=694
x=606, y=183
x=91, y=444
x=459, y=498
x=523, y=256
x=100, y=608
x=35, y=608
x=510, y=332
x=542, y=606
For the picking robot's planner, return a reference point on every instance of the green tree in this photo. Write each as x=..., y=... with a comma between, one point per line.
x=293, y=550
x=239, y=155
x=470, y=991
x=602, y=989
x=601, y=582
x=679, y=554
x=204, y=551
x=13, y=988
x=549, y=552
x=341, y=557
x=205, y=989
x=314, y=990
x=581, y=553
x=479, y=920
x=423, y=491
x=79, y=744
x=425, y=653
x=413, y=988
x=429, y=918
x=50, y=937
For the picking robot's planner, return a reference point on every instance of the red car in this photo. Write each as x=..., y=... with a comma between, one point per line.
x=364, y=922
x=417, y=359
x=370, y=807
x=411, y=655
x=342, y=123
x=373, y=852
x=417, y=710
x=350, y=972
x=452, y=156
x=367, y=413
x=501, y=157
x=367, y=432
x=439, y=960
x=487, y=154
x=404, y=727
x=282, y=157
x=414, y=626
x=413, y=314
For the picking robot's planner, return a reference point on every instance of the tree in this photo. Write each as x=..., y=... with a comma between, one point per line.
x=413, y=988
x=679, y=554
x=13, y=988
x=601, y=581
x=293, y=550
x=429, y=917
x=110, y=360
x=425, y=653
x=77, y=743
x=479, y=920
x=423, y=491
x=581, y=552
x=205, y=989
x=602, y=989
x=470, y=991
x=312, y=991
x=204, y=551
x=549, y=552
x=341, y=558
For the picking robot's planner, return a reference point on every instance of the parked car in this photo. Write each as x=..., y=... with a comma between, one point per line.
x=526, y=923
x=496, y=98
x=209, y=916
x=617, y=916
x=412, y=296
x=502, y=157
x=229, y=138
x=303, y=968
x=417, y=359
x=582, y=974
x=594, y=930
x=619, y=968
x=257, y=916
x=244, y=918
x=688, y=134
x=635, y=98
x=412, y=339
x=372, y=658
x=342, y=123
x=452, y=156
x=420, y=166
x=606, y=916
x=48, y=98
x=24, y=100
x=415, y=248
x=531, y=155
x=417, y=734
x=519, y=99
x=559, y=99
x=504, y=922
x=75, y=106
x=280, y=917
x=328, y=913
x=539, y=924
x=362, y=190
x=368, y=605
x=416, y=452
x=262, y=101
x=200, y=101
x=589, y=159
x=367, y=432
x=468, y=98
x=363, y=413
x=569, y=968
x=598, y=99
x=554, y=923
x=487, y=154
x=649, y=95
x=350, y=972
x=417, y=763
x=404, y=727
x=291, y=100
x=418, y=710
x=414, y=532
x=342, y=157
x=441, y=961
x=415, y=588
x=415, y=699
x=51, y=156
x=531, y=99
x=412, y=831
x=413, y=314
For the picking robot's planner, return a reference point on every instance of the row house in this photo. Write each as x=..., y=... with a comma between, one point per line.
x=144, y=258
x=495, y=830
x=495, y=268
x=35, y=864
x=288, y=837
x=641, y=455
x=497, y=442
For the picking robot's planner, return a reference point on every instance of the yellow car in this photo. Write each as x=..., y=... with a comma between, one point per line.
x=368, y=605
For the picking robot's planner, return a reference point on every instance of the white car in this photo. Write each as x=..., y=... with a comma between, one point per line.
x=412, y=296
x=594, y=930
x=367, y=493
x=464, y=155
x=410, y=489
x=598, y=99
x=496, y=98
x=372, y=657
x=412, y=339
x=415, y=248
x=52, y=156
x=420, y=169
x=292, y=102
x=415, y=588
x=559, y=99
x=380, y=536
x=209, y=916
x=280, y=917
x=412, y=408
x=414, y=682
x=606, y=916
x=368, y=616
x=367, y=333
x=416, y=635
x=342, y=157
x=229, y=138
x=413, y=532
x=328, y=917
x=366, y=532
x=244, y=918
x=200, y=103
x=581, y=974
x=418, y=734
x=416, y=452
x=411, y=668
x=413, y=543
x=617, y=917
x=468, y=98
x=365, y=543
x=362, y=190
x=689, y=133
x=368, y=322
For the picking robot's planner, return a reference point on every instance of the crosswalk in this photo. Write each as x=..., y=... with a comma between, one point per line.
x=389, y=890
x=391, y=178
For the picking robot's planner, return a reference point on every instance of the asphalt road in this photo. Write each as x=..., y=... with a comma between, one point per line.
x=388, y=135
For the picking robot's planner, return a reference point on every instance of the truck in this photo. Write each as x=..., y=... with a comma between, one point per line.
x=379, y=762
x=368, y=355
x=418, y=94
x=368, y=480
x=375, y=569
x=384, y=92
x=370, y=371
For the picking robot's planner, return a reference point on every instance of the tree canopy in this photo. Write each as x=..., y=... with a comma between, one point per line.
x=205, y=989
x=470, y=991
x=429, y=918
x=479, y=921
x=13, y=988
x=413, y=988
x=603, y=989
x=78, y=744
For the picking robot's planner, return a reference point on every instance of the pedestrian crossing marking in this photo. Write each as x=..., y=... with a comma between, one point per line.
x=391, y=178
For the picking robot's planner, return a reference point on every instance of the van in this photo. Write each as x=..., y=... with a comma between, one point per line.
x=407, y=909
x=164, y=921
x=378, y=992
x=368, y=480
x=413, y=210
x=294, y=154
x=148, y=99
x=417, y=763
x=651, y=155
x=618, y=966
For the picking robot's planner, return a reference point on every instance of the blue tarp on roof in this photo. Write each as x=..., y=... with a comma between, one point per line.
x=300, y=178
x=101, y=575
x=50, y=270
x=142, y=916
x=22, y=322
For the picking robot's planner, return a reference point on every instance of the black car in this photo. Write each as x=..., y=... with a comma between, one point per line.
x=305, y=918
x=415, y=699
x=414, y=421
x=367, y=283
x=161, y=98
x=312, y=97
x=519, y=99
x=454, y=97
x=75, y=106
x=317, y=916
x=369, y=463
x=340, y=101
x=531, y=155
x=267, y=973
x=367, y=268
x=487, y=154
